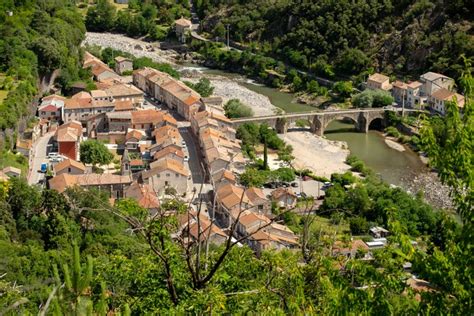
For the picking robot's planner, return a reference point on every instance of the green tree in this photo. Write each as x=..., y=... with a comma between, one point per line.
x=343, y=88
x=95, y=152
x=101, y=17
x=235, y=109
x=358, y=225
x=203, y=87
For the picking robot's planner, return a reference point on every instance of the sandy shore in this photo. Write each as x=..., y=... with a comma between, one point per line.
x=230, y=89
x=127, y=44
x=324, y=157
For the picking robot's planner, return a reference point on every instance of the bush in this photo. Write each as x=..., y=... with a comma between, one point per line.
x=358, y=225
x=392, y=131
x=372, y=98
x=346, y=178
x=235, y=109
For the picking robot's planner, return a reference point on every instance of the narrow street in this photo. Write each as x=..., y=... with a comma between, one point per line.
x=39, y=156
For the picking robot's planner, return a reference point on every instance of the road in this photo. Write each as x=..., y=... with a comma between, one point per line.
x=39, y=156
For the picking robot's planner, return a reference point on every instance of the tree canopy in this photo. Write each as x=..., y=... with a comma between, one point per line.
x=95, y=152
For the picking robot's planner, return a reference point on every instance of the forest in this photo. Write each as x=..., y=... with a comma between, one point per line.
x=403, y=38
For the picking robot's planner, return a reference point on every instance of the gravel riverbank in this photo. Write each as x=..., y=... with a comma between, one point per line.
x=130, y=45
x=231, y=89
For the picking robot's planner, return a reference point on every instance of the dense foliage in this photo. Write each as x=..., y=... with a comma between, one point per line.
x=403, y=37
x=95, y=152
x=38, y=38
x=153, y=19
x=203, y=87
x=236, y=109
x=372, y=98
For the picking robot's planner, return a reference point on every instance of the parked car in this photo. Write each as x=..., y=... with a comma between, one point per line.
x=44, y=168
x=183, y=143
x=294, y=184
x=53, y=155
x=186, y=158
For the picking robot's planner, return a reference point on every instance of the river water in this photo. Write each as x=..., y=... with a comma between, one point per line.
x=394, y=167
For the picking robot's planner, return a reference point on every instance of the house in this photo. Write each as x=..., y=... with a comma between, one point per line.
x=137, y=165
x=439, y=98
x=82, y=105
x=125, y=92
x=232, y=200
x=414, y=95
x=146, y=120
x=51, y=108
x=379, y=81
x=167, y=173
x=167, y=135
x=69, y=136
x=144, y=195
x=399, y=91
x=222, y=177
x=273, y=236
x=23, y=146
x=11, y=171
x=118, y=121
x=125, y=105
x=69, y=166
x=123, y=64
x=203, y=119
x=284, y=197
x=170, y=152
x=378, y=232
x=204, y=230
x=98, y=68
x=433, y=81
x=353, y=249
x=133, y=138
x=182, y=26
x=112, y=184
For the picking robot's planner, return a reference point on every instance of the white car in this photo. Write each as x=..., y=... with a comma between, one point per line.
x=186, y=158
x=53, y=155
x=183, y=143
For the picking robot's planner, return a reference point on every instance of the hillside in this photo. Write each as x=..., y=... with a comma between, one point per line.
x=398, y=37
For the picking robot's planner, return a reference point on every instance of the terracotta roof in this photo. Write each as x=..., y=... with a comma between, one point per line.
x=77, y=103
x=183, y=22
x=62, y=182
x=443, y=94
x=379, y=78
x=48, y=108
x=223, y=174
x=98, y=94
x=188, y=223
x=133, y=134
x=69, y=132
x=255, y=194
x=136, y=162
x=122, y=90
x=170, y=150
x=399, y=84
x=278, y=193
x=53, y=97
x=122, y=115
x=231, y=195
x=414, y=84
x=249, y=218
x=82, y=95
x=143, y=194
x=69, y=163
x=165, y=132
x=125, y=105
x=166, y=164
x=354, y=245
x=146, y=117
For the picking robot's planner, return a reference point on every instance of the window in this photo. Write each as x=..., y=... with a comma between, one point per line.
x=177, y=175
x=168, y=175
x=158, y=175
x=69, y=169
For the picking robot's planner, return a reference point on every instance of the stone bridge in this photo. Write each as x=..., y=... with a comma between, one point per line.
x=319, y=120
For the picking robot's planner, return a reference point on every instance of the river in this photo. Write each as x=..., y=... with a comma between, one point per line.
x=395, y=167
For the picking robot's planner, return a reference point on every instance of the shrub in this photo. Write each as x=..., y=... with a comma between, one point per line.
x=358, y=225
x=392, y=131
x=235, y=109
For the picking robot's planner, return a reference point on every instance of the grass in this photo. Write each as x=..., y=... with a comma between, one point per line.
x=118, y=6
x=7, y=158
x=326, y=227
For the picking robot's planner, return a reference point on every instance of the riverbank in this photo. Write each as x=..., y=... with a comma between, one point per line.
x=324, y=157
x=231, y=89
x=132, y=46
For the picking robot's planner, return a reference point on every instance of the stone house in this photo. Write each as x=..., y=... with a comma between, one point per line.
x=167, y=173
x=439, y=98
x=69, y=166
x=69, y=136
x=123, y=64
x=433, y=81
x=379, y=81
x=284, y=197
x=182, y=26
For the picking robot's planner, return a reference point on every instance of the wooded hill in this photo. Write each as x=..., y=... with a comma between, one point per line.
x=405, y=37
